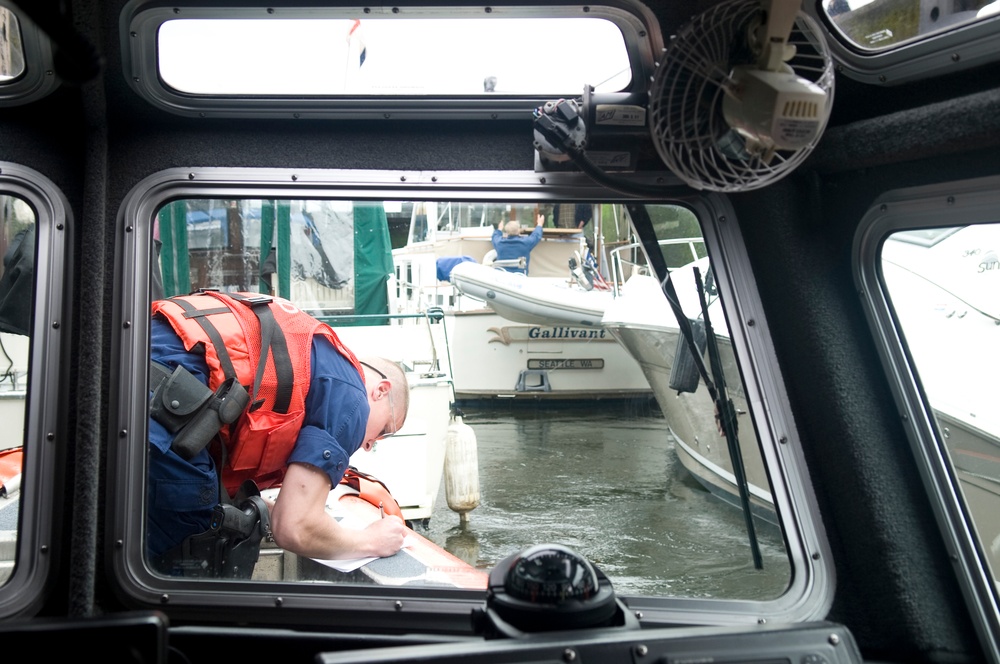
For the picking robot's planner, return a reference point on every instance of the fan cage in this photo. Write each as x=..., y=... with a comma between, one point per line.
x=685, y=107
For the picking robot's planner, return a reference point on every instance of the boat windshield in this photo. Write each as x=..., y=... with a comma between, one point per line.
x=591, y=422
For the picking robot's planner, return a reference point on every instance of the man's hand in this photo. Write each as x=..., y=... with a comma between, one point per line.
x=386, y=535
x=301, y=525
x=540, y=221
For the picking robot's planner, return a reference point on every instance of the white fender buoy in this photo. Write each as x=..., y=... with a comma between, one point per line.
x=461, y=468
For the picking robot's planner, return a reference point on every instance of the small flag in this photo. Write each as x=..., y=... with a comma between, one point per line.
x=354, y=36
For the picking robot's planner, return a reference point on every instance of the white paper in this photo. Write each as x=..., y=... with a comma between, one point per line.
x=346, y=565
x=351, y=564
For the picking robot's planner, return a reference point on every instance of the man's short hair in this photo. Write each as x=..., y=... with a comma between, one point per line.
x=512, y=228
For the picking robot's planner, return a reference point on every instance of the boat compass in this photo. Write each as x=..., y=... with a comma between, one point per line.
x=545, y=588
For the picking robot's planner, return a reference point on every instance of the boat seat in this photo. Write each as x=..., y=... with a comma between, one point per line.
x=533, y=380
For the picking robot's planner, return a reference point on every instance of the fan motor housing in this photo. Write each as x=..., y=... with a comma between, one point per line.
x=777, y=109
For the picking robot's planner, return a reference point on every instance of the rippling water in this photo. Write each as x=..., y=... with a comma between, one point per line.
x=603, y=479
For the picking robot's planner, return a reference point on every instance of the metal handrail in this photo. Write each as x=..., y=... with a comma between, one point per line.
x=431, y=315
x=434, y=314
x=617, y=261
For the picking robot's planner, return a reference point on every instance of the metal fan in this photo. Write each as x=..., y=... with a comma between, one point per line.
x=741, y=95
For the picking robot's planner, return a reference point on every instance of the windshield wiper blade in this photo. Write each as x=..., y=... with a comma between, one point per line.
x=725, y=411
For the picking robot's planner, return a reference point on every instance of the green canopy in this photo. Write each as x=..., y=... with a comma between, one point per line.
x=372, y=261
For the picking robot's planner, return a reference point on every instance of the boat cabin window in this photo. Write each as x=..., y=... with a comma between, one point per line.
x=877, y=26
x=891, y=42
x=17, y=246
x=400, y=62
x=391, y=55
x=639, y=476
x=11, y=50
x=33, y=325
x=933, y=273
x=26, y=63
x=943, y=285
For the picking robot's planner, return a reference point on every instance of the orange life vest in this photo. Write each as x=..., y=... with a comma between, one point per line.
x=236, y=330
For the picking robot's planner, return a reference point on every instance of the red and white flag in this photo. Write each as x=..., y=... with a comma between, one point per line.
x=356, y=43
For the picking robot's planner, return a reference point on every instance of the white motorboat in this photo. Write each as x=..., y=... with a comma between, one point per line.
x=411, y=462
x=499, y=352
x=643, y=322
x=943, y=286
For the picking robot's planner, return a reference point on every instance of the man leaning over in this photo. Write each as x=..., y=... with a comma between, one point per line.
x=292, y=423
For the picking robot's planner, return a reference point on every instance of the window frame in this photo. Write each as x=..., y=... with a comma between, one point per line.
x=141, y=19
x=38, y=78
x=940, y=205
x=45, y=432
x=935, y=54
x=810, y=592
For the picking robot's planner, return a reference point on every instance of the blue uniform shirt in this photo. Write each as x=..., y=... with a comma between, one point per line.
x=512, y=248
x=182, y=494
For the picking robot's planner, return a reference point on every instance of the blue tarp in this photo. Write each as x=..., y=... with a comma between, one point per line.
x=446, y=264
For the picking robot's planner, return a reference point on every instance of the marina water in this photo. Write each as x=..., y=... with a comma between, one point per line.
x=602, y=478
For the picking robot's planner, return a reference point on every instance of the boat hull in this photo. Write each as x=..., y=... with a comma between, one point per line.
x=698, y=440
x=944, y=295
x=976, y=456
x=642, y=322
x=495, y=358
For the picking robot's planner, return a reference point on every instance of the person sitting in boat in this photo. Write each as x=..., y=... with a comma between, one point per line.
x=293, y=423
x=510, y=246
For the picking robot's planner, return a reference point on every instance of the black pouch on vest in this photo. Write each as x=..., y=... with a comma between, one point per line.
x=176, y=398
x=191, y=411
x=224, y=407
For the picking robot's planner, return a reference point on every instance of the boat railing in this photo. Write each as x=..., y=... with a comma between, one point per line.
x=430, y=316
x=418, y=288
x=630, y=259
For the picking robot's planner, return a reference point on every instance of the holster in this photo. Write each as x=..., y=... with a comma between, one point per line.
x=191, y=411
x=229, y=548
